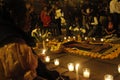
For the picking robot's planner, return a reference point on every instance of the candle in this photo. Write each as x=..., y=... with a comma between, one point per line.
x=56, y=62
x=68, y=40
x=74, y=37
x=94, y=39
x=86, y=38
x=43, y=52
x=71, y=67
x=47, y=39
x=77, y=71
x=77, y=67
x=40, y=34
x=68, y=37
x=86, y=72
x=101, y=39
x=65, y=38
x=119, y=68
x=108, y=77
x=47, y=59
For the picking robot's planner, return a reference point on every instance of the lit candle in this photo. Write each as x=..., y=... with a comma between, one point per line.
x=40, y=34
x=56, y=62
x=68, y=40
x=119, y=68
x=108, y=77
x=71, y=67
x=86, y=72
x=77, y=67
x=86, y=38
x=101, y=39
x=68, y=37
x=47, y=59
x=74, y=37
x=65, y=38
x=43, y=52
x=77, y=71
x=94, y=39
x=47, y=39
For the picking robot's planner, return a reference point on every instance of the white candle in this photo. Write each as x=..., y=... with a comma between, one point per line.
x=65, y=38
x=47, y=59
x=86, y=72
x=86, y=38
x=101, y=39
x=71, y=67
x=74, y=37
x=119, y=68
x=68, y=37
x=77, y=71
x=56, y=62
x=94, y=39
x=40, y=34
x=77, y=67
x=68, y=40
x=108, y=77
x=43, y=52
x=47, y=40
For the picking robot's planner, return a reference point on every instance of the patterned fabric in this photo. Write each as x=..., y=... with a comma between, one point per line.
x=17, y=62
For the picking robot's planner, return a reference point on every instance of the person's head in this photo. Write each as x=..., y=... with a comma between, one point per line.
x=88, y=10
x=17, y=12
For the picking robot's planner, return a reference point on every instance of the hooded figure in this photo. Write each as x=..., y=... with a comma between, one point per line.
x=17, y=61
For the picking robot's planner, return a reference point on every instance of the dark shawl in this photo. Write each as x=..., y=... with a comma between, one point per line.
x=9, y=30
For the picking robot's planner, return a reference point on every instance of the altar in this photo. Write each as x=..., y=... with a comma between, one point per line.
x=92, y=48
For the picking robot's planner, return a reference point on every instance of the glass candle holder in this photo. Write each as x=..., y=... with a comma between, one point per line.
x=69, y=37
x=108, y=77
x=86, y=72
x=47, y=59
x=71, y=67
x=65, y=38
x=56, y=62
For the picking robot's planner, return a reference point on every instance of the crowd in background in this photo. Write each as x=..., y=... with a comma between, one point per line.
x=90, y=18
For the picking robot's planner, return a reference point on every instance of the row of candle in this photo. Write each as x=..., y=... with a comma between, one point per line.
x=85, y=38
x=74, y=38
x=86, y=71
x=72, y=67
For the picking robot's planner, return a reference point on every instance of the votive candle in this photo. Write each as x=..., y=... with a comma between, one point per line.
x=101, y=39
x=47, y=58
x=74, y=37
x=71, y=67
x=56, y=62
x=108, y=77
x=65, y=38
x=86, y=72
x=86, y=38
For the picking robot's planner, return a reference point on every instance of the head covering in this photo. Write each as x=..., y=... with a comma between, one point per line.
x=12, y=20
